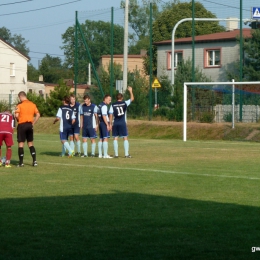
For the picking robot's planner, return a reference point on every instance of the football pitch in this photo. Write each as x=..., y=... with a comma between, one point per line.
x=172, y=200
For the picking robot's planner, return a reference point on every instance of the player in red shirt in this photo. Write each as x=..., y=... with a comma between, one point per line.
x=6, y=135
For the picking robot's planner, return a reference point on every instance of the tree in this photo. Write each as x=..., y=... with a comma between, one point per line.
x=251, y=66
x=184, y=74
x=53, y=70
x=39, y=101
x=16, y=40
x=139, y=20
x=32, y=73
x=140, y=106
x=54, y=101
x=97, y=35
x=173, y=13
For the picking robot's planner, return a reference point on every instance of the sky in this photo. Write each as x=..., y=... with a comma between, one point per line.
x=43, y=27
x=42, y=22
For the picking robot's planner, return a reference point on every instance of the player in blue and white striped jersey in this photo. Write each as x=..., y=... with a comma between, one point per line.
x=104, y=127
x=88, y=123
x=74, y=136
x=67, y=118
x=119, y=128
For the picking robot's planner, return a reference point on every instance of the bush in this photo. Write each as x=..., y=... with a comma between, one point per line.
x=228, y=117
x=162, y=111
x=4, y=105
x=207, y=117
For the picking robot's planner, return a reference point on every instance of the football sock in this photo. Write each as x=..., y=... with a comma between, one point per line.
x=93, y=148
x=20, y=154
x=63, y=150
x=33, y=153
x=8, y=153
x=116, y=147
x=85, y=148
x=72, y=145
x=105, y=148
x=67, y=146
x=78, y=146
x=126, y=147
x=100, y=148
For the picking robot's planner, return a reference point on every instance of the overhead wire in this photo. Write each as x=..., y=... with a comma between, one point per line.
x=43, y=8
x=16, y=2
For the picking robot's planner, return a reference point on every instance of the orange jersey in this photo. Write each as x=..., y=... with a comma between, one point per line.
x=26, y=110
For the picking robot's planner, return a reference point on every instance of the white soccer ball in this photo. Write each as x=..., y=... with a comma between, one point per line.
x=3, y=159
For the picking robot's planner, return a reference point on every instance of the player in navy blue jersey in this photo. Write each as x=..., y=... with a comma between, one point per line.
x=74, y=137
x=119, y=128
x=67, y=118
x=104, y=126
x=88, y=124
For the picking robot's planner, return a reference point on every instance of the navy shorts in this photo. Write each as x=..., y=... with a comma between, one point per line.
x=65, y=134
x=119, y=130
x=75, y=130
x=89, y=133
x=103, y=133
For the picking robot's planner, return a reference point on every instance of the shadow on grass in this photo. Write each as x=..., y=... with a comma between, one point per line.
x=49, y=153
x=126, y=226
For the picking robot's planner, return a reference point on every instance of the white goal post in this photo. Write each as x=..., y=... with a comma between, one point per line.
x=185, y=103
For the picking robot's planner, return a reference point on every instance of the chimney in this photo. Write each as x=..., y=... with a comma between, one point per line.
x=143, y=52
x=232, y=24
x=41, y=78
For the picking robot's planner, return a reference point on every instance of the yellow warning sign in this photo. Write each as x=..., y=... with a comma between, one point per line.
x=156, y=83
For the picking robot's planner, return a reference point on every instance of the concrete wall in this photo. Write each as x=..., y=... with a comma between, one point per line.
x=250, y=113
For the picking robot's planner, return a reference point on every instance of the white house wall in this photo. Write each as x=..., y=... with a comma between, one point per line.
x=12, y=84
x=229, y=54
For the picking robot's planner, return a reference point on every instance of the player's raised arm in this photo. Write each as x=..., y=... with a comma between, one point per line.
x=131, y=93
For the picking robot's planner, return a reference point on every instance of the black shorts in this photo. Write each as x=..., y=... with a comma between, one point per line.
x=25, y=132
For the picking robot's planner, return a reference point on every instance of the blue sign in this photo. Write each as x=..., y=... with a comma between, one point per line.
x=255, y=12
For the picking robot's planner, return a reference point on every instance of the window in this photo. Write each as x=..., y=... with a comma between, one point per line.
x=178, y=57
x=212, y=58
x=12, y=70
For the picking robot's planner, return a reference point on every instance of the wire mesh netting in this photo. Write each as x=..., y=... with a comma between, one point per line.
x=220, y=103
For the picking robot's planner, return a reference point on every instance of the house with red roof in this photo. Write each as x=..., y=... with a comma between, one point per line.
x=215, y=53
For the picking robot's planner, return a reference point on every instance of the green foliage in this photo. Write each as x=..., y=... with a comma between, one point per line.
x=184, y=74
x=251, y=67
x=139, y=21
x=32, y=73
x=4, y=105
x=227, y=117
x=164, y=93
x=16, y=40
x=164, y=112
x=173, y=13
x=207, y=117
x=140, y=106
x=97, y=34
x=54, y=101
x=52, y=69
x=162, y=27
x=39, y=101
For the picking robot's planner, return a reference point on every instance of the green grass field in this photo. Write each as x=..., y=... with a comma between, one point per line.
x=172, y=200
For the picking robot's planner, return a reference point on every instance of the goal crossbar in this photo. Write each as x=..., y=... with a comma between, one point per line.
x=186, y=84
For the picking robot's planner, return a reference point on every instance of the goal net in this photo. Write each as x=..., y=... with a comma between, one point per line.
x=219, y=102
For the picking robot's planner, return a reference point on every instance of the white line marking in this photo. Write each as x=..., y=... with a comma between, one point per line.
x=156, y=171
